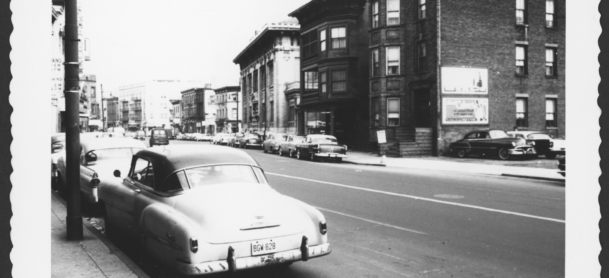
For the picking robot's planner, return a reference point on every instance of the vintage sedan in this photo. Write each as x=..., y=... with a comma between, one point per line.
x=321, y=146
x=271, y=144
x=207, y=209
x=491, y=142
x=234, y=141
x=289, y=145
x=249, y=140
x=98, y=158
x=225, y=138
x=540, y=140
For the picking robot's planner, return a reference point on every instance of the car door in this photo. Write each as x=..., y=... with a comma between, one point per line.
x=86, y=174
x=474, y=142
x=485, y=143
x=124, y=200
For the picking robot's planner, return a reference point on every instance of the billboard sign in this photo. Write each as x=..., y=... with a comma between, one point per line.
x=464, y=81
x=465, y=111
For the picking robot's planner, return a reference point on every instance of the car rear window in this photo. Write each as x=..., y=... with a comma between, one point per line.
x=220, y=174
x=324, y=140
x=158, y=132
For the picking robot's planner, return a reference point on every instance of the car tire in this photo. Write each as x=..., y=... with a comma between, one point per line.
x=551, y=155
x=280, y=152
x=264, y=149
x=503, y=154
x=461, y=153
x=290, y=152
x=298, y=156
x=312, y=156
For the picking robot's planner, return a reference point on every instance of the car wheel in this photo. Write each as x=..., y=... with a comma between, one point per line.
x=461, y=153
x=265, y=151
x=298, y=156
x=503, y=154
x=280, y=152
x=551, y=155
x=312, y=156
x=290, y=152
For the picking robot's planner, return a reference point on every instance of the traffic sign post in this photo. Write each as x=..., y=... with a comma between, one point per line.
x=382, y=140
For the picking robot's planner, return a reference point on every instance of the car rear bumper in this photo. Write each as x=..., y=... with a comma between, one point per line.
x=254, y=261
x=253, y=145
x=331, y=155
x=522, y=151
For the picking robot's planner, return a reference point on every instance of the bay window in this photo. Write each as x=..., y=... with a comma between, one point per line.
x=393, y=60
x=339, y=80
x=393, y=12
x=393, y=112
x=339, y=37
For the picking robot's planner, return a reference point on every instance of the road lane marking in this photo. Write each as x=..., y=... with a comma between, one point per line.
x=372, y=221
x=423, y=198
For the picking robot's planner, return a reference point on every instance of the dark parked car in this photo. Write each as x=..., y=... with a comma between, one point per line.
x=249, y=140
x=493, y=143
x=158, y=137
x=540, y=140
x=321, y=146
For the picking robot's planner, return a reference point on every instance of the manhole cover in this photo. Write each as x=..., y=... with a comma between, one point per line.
x=448, y=196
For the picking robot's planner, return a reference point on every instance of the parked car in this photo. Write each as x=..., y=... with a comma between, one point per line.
x=250, y=140
x=493, y=143
x=225, y=138
x=140, y=135
x=540, y=140
x=180, y=136
x=289, y=145
x=562, y=166
x=98, y=158
x=181, y=218
x=321, y=146
x=216, y=138
x=202, y=137
x=234, y=140
x=559, y=147
x=58, y=143
x=158, y=136
x=271, y=144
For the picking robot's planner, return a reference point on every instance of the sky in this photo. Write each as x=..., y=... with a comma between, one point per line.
x=136, y=40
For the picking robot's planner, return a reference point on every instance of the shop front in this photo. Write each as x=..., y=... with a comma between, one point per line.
x=336, y=121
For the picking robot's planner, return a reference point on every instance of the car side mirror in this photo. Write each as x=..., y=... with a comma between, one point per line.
x=117, y=173
x=90, y=157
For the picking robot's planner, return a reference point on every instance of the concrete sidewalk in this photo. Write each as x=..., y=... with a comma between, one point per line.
x=445, y=164
x=93, y=256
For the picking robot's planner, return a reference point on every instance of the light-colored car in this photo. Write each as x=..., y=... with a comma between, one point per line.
x=271, y=144
x=541, y=141
x=289, y=145
x=321, y=146
x=180, y=136
x=249, y=140
x=202, y=137
x=559, y=147
x=205, y=209
x=98, y=158
x=225, y=138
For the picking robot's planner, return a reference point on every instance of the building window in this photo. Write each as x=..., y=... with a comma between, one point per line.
x=521, y=112
x=393, y=12
x=310, y=78
x=375, y=14
x=393, y=60
x=521, y=60
x=309, y=44
x=550, y=23
x=323, y=82
x=263, y=77
x=339, y=80
x=521, y=11
x=272, y=112
x=393, y=112
x=255, y=81
x=375, y=62
x=551, y=62
x=322, y=40
x=376, y=111
x=271, y=80
x=421, y=56
x=551, y=113
x=339, y=37
x=422, y=10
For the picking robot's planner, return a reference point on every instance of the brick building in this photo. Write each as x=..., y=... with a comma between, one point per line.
x=113, y=112
x=228, y=111
x=269, y=62
x=437, y=69
x=193, y=110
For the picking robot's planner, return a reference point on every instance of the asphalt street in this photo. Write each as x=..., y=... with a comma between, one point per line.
x=396, y=222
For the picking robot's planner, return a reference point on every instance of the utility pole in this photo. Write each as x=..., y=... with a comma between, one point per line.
x=101, y=87
x=72, y=96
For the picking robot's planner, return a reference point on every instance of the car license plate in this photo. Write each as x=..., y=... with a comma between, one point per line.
x=263, y=247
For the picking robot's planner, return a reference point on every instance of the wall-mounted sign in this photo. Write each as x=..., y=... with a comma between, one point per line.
x=464, y=111
x=380, y=136
x=464, y=81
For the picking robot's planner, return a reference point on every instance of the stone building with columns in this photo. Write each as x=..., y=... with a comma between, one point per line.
x=268, y=64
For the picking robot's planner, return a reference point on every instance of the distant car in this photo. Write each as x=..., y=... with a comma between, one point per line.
x=271, y=144
x=493, y=143
x=234, y=140
x=289, y=145
x=250, y=140
x=202, y=137
x=158, y=136
x=321, y=146
x=140, y=135
x=559, y=147
x=98, y=158
x=205, y=209
x=180, y=136
x=538, y=139
x=225, y=138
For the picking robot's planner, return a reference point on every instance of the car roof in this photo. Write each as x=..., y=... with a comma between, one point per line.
x=172, y=157
x=527, y=132
x=89, y=144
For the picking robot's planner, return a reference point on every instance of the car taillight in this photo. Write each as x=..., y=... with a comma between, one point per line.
x=323, y=228
x=194, y=244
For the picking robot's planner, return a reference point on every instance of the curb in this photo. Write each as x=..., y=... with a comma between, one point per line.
x=533, y=177
x=367, y=164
